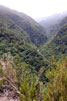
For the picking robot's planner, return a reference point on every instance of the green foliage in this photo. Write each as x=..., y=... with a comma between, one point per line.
x=28, y=90
x=15, y=39
x=20, y=80
x=26, y=83
x=57, y=46
x=22, y=52
x=1, y=82
x=24, y=71
x=32, y=90
x=57, y=85
x=20, y=23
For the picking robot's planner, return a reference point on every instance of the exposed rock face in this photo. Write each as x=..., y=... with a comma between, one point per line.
x=8, y=90
x=7, y=95
x=6, y=99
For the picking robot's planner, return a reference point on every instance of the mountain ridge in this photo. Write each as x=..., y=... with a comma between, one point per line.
x=35, y=31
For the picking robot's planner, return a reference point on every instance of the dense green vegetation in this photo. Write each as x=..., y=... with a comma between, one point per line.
x=32, y=68
x=28, y=86
x=22, y=52
x=57, y=85
x=57, y=46
x=20, y=37
x=30, y=30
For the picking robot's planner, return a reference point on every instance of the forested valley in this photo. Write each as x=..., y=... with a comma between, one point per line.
x=33, y=58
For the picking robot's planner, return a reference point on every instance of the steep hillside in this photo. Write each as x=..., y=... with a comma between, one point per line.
x=64, y=21
x=19, y=38
x=56, y=27
x=51, y=23
x=32, y=29
x=57, y=46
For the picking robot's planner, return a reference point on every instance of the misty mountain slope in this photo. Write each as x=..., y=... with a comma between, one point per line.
x=64, y=21
x=51, y=23
x=33, y=29
x=51, y=20
x=56, y=27
x=57, y=46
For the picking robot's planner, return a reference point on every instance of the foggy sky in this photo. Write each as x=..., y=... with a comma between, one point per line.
x=37, y=8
